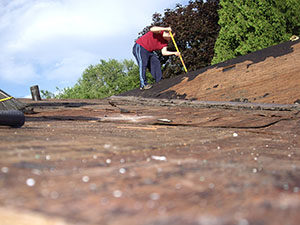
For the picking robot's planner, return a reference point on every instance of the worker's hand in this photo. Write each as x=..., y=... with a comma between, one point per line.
x=177, y=54
x=168, y=29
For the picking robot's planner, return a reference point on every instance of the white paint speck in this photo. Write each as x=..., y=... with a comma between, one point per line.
x=117, y=194
x=107, y=146
x=30, y=182
x=122, y=170
x=4, y=169
x=165, y=120
x=159, y=158
x=85, y=179
x=235, y=135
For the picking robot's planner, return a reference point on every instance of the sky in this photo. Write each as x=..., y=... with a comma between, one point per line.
x=50, y=43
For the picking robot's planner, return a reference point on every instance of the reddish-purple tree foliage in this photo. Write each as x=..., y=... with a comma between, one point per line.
x=196, y=27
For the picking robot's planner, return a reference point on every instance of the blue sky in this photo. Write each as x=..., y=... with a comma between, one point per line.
x=51, y=42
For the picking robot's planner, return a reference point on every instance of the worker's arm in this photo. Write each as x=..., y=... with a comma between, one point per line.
x=165, y=52
x=156, y=29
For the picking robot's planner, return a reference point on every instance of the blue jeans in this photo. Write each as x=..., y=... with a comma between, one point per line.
x=146, y=59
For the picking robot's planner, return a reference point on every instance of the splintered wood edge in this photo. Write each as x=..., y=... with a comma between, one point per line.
x=11, y=216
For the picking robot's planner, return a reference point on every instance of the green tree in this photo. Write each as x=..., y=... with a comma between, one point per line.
x=290, y=10
x=104, y=79
x=47, y=94
x=196, y=27
x=250, y=25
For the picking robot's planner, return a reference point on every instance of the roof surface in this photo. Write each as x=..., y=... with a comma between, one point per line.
x=162, y=160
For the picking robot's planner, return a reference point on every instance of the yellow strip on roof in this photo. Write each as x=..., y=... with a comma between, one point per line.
x=5, y=99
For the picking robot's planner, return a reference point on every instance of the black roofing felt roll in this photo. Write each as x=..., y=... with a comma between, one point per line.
x=12, y=118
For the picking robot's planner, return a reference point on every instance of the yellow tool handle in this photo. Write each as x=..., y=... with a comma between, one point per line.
x=5, y=99
x=178, y=51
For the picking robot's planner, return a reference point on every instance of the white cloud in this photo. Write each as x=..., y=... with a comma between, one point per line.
x=16, y=72
x=69, y=66
x=58, y=39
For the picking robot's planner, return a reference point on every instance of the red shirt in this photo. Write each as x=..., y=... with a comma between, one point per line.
x=152, y=41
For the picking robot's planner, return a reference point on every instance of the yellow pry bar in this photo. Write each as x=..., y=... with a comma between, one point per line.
x=178, y=51
x=5, y=99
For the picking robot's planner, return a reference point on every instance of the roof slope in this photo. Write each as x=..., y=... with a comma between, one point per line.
x=270, y=75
